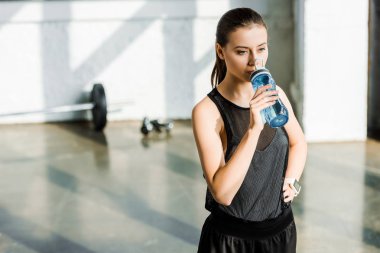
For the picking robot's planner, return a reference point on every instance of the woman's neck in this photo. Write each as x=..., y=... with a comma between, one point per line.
x=236, y=90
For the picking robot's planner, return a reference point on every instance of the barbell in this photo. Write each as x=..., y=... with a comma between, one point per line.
x=97, y=105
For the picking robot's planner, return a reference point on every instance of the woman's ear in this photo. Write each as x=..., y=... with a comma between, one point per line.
x=219, y=51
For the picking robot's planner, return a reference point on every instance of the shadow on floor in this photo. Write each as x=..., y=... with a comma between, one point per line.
x=24, y=232
x=133, y=206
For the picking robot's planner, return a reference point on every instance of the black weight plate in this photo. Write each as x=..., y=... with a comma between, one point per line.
x=99, y=112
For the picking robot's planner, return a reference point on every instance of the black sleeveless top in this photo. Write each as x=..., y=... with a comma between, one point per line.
x=260, y=195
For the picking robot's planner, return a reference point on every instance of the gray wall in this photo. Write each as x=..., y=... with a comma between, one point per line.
x=374, y=73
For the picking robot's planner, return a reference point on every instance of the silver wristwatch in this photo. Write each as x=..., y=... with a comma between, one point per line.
x=294, y=185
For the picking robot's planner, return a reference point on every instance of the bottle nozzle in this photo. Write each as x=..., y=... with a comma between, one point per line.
x=259, y=63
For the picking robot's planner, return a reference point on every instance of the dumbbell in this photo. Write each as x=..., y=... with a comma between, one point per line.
x=155, y=125
x=97, y=105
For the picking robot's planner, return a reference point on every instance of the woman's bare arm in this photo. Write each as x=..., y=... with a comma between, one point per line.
x=297, y=148
x=297, y=142
x=225, y=179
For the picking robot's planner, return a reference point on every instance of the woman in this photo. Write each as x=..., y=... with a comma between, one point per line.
x=251, y=169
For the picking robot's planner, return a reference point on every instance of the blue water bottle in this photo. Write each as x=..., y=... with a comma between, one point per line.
x=277, y=114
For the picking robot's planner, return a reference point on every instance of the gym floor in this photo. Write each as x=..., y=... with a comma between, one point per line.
x=67, y=189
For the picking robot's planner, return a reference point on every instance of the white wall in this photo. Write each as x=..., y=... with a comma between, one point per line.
x=142, y=51
x=335, y=56
x=157, y=54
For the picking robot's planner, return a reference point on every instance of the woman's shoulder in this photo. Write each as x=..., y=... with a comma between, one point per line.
x=283, y=96
x=206, y=117
x=205, y=108
x=280, y=90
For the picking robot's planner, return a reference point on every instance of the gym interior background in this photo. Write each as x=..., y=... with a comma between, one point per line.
x=68, y=188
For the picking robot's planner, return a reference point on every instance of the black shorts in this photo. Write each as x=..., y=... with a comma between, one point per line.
x=222, y=233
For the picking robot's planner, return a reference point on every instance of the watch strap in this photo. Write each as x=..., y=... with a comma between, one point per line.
x=292, y=181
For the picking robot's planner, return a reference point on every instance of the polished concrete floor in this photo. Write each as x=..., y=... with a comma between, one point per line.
x=64, y=188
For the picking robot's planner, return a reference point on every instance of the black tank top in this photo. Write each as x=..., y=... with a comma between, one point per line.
x=260, y=195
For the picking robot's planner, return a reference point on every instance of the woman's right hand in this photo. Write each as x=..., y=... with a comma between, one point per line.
x=262, y=99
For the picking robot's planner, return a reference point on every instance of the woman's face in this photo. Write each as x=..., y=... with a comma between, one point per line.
x=245, y=45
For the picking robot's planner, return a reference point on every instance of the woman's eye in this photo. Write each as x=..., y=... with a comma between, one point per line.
x=262, y=49
x=241, y=52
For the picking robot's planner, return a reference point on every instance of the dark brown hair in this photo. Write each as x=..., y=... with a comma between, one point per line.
x=229, y=22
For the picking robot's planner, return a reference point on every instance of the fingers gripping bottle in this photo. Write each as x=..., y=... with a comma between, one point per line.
x=277, y=114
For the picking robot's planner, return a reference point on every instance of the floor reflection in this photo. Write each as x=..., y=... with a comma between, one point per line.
x=67, y=189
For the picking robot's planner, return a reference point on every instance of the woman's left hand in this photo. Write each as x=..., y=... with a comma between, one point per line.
x=288, y=193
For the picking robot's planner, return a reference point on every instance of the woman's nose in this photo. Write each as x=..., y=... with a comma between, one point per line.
x=251, y=60
x=251, y=63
